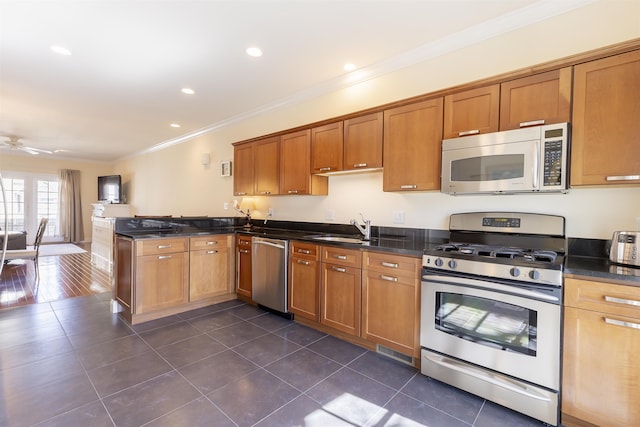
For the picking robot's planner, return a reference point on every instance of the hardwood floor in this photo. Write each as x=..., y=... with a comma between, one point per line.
x=60, y=277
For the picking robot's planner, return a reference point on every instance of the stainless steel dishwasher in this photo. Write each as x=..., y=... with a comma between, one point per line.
x=269, y=272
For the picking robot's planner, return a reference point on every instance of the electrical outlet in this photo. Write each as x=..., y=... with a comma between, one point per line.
x=330, y=215
x=270, y=213
x=225, y=206
x=398, y=217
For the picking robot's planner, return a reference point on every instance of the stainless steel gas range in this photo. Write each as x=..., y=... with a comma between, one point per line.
x=491, y=309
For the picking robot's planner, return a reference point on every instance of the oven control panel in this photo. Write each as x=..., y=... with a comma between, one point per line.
x=500, y=271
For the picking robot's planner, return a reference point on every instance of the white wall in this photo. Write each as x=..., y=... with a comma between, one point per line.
x=172, y=181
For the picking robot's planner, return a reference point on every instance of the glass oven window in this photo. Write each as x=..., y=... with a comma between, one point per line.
x=488, y=168
x=488, y=322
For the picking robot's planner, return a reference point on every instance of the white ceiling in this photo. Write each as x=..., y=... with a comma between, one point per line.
x=119, y=91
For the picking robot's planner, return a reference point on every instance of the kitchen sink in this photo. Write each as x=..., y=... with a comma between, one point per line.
x=339, y=239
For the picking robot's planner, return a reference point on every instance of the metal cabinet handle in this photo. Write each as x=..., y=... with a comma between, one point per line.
x=164, y=256
x=324, y=169
x=339, y=269
x=408, y=186
x=303, y=262
x=359, y=165
x=342, y=257
x=632, y=302
x=244, y=251
x=623, y=178
x=389, y=264
x=215, y=242
x=292, y=191
x=388, y=278
x=469, y=132
x=212, y=252
x=244, y=193
x=532, y=123
x=164, y=246
x=265, y=193
x=304, y=251
x=622, y=323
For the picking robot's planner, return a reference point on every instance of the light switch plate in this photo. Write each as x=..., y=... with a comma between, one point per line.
x=330, y=215
x=398, y=217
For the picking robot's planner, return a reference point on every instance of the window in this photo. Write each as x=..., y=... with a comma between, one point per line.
x=29, y=198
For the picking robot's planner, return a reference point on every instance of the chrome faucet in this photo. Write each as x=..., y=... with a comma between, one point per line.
x=366, y=229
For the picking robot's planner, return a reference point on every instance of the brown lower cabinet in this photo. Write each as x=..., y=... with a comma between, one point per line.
x=601, y=366
x=210, y=266
x=243, y=267
x=341, y=289
x=304, y=277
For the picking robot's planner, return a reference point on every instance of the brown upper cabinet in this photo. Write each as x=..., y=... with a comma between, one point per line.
x=363, y=142
x=326, y=148
x=267, y=166
x=412, y=138
x=243, y=181
x=295, y=160
x=605, y=142
x=528, y=101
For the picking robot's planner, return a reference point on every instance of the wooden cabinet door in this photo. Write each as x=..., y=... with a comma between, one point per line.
x=605, y=141
x=601, y=368
x=162, y=281
x=123, y=271
x=390, y=301
x=295, y=166
x=209, y=267
x=243, y=266
x=341, y=298
x=304, y=280
x=267, y=166
x=412, y=146
x=326, y=148
x=363, y=142
x=472, y=112
x=539, y=99
x=243, y=170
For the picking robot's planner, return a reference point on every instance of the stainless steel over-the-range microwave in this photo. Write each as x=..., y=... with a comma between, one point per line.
x=532, y=159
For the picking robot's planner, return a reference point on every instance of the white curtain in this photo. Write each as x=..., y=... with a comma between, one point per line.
x=71, y=228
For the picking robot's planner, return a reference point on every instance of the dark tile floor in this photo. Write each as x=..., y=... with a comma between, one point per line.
x=73, y=363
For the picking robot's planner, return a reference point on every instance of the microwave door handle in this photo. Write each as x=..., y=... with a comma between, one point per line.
x=536, y=168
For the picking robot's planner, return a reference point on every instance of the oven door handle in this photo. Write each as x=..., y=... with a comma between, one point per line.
x=484, y=376
x=463, y=281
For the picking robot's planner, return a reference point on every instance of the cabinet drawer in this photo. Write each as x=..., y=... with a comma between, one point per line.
x=161, y=246
x=304, y=250
x=605, y=297
x=340, y=256
x=392, y=265
x=217, y=242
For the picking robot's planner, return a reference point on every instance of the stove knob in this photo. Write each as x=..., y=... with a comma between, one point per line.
x=453, y=264
x=438, y=262
x=515, y=271
x=534, y=275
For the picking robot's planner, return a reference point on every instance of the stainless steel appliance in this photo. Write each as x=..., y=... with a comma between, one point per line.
x=491, y=309
x=522, y=160
x=269, y=272
x=624, y=248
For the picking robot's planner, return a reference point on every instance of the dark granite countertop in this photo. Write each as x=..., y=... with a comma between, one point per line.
x=601, y=268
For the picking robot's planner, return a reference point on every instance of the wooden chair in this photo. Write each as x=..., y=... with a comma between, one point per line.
x=30, y=253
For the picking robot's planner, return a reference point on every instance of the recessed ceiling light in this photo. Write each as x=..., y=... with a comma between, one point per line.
x=174, y=125
x=187, y=90
x=349, y=67
x=254, y=51
x=60, y=50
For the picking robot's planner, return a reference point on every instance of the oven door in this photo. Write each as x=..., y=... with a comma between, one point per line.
x=481, y=167
x=473, y=320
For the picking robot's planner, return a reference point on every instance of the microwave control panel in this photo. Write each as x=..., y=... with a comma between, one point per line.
x=553, y=162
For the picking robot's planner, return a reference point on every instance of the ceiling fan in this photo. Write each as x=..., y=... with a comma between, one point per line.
x=13, y=143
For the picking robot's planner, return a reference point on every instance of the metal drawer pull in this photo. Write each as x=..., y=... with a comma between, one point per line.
x=531, y=123
x=265, y=193
x=164, y=256
x=359, y=165
x=408, y=187
x=212, y=252
x=244, y=193
x=469, y=132
x=623, y=178
x=292, y=191
x=621, y=323
x=304, y=251
x=389, y=264
x=212, y=243
x=303, y=262
x=342, y=257
x=324, y=169
x=339, y=269
x=388, y=278
x=244, y=251
x=622, y=301
x=164, y=246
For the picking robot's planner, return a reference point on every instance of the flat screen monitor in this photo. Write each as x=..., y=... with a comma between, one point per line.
x=109, y=189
